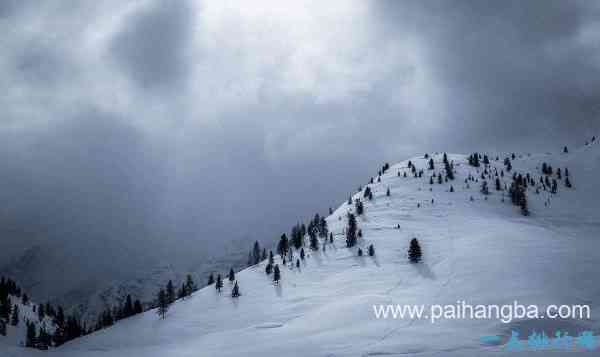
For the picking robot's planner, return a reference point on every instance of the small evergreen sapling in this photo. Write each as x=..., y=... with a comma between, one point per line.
x=414, y=251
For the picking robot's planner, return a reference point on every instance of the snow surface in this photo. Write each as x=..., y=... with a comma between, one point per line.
x=481, y=251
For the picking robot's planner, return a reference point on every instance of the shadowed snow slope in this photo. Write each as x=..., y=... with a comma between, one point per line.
x=482, y=251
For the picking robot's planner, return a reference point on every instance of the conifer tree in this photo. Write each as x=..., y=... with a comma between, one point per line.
x=330, y=237
x=484, y=188
x=388, y=193
x=163, y=303
x=351, y=231
x=414, y=251
x=451, y=188
x=219, y=284
x=371, y=250
x=276, y=274
x=360, y=252
x=565, y=150
x=283, y=245
x=256, y=253
x=170, y=291
x=302, y=255
x=568, y=182
x=31, y=335
x=235, y=292
x=2, y=327
x=231, y=276
x=271, y=259
x=14, y=319
x=359, y=207
x=211, y=279
x=190, y=285
x=128, y=308
x=431, y=165
x=268, y=268
x=137, y=307
x=298, y=263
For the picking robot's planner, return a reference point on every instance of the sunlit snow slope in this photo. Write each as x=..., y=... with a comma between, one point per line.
x=481, y=251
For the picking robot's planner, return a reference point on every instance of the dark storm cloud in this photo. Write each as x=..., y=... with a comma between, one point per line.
x=152, y=45
x=521, y=69
x=163, y=131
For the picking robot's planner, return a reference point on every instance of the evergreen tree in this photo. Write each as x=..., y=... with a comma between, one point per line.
x=256, y=253
x=351, y=231
x=330, y=237
x=360, y=252
x=25, y=300
x=137, y=307
x=128, y=308
x=371, y=250
x=298, y=263
x=498, y=186
x=31, y=336
x=431, y=165
x=231, y=275
x=283, y=245
x=170, y=291
x=2, y=327
x=302, y=255
x=163, y=303
x=271, y=259
x=314, y=242
x=189, y=286
x=414, y=251
x=568, y=182
x=14, y=319
x=565, y=150
x=219, y=284
x=235, y=292
x=276, y=274
x=388, y=193
x=268, y=268
x=451, y=188
x=359, y=207
x=211, y=279
x=41, y=312
x=484, y=188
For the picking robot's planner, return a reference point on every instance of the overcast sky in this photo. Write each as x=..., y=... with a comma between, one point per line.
x=168, y=128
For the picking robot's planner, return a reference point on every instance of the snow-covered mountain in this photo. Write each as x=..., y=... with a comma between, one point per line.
x=478, y=248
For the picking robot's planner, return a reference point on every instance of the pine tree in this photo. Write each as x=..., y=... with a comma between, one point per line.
x=431, y=165
x=565, y=150
x=271, y=259
x=14, y=319
x=283, y=245
x=388, y=193
x=189, y=286
x=414, y=251
x=568, y=182
x=2, y=327
x=302, y=255
x=235, y=292
x=31, y=336
x=371, y=250
x=351, y=231
x=231, y=275
x=484, y=188
x=170, y=291
x=359, y=207
x=256, y=253
x=137, y=307
x=163, y=303
x=219, y=284
x=360, y=252
x=128, y=308
x=276, y=274
x=211, y=279
x=268, y=268
x=330, y=237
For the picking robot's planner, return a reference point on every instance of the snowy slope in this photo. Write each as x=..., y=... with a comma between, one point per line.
x=482, y=251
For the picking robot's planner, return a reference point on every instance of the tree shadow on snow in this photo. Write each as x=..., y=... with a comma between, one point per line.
x=424, y=270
